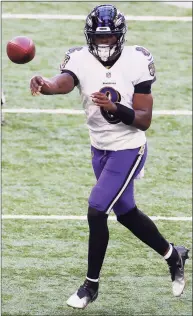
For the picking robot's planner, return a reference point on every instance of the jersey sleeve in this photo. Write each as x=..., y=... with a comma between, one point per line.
x=145, y=67
x=70, y=64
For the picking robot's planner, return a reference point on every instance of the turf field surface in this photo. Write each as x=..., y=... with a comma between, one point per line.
x=46, y=170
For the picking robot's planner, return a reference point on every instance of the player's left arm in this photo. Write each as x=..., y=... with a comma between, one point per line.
x=142, y=106
x=141, y=113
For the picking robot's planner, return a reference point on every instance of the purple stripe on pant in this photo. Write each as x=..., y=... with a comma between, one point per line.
x=115, y=172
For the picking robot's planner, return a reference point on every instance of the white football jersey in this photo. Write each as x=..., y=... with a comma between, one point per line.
x=135, y=65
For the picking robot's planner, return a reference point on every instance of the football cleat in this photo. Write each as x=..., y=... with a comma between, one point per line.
x=87, y=293
x=177, y=271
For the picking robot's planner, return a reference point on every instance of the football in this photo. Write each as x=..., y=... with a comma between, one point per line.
x=21, y=50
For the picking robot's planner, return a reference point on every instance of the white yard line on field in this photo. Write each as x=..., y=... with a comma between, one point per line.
x=74, y=217
x=83, y=17
x=79, y=112
x=47, y=111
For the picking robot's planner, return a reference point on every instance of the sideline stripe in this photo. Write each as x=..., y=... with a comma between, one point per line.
x=129, y=176
x=83, y=17
x=78, y=112
x=74, y=217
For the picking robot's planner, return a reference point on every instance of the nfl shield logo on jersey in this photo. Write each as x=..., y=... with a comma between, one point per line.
x=108, y=75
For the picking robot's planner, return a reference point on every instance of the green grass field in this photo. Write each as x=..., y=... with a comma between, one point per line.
x=46, y=170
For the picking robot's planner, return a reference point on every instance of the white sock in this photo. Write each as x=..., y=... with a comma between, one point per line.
x=168, y=254
x=92, y=280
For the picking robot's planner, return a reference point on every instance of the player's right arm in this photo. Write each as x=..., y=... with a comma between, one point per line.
x=65, y=81
x=59, y=84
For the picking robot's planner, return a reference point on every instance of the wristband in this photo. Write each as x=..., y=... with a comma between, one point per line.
x=125, y=114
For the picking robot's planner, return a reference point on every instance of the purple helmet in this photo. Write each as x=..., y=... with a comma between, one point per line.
x=105, y=20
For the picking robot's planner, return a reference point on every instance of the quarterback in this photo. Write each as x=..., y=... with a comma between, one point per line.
x=114, y=82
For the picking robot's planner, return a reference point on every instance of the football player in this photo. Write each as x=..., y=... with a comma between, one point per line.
x=114, y=82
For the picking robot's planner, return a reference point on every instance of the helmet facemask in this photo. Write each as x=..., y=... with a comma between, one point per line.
x=105, y=52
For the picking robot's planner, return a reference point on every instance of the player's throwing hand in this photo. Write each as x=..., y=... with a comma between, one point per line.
x=36, y=84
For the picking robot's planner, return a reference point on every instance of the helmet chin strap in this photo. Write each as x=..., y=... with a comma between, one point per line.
x=104, y=52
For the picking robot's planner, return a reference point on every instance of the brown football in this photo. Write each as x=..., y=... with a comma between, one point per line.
x=21, y=50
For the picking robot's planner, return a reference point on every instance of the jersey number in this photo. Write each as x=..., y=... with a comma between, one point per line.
x=114, y=96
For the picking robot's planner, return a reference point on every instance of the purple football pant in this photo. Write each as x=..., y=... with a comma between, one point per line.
x=115, y=172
